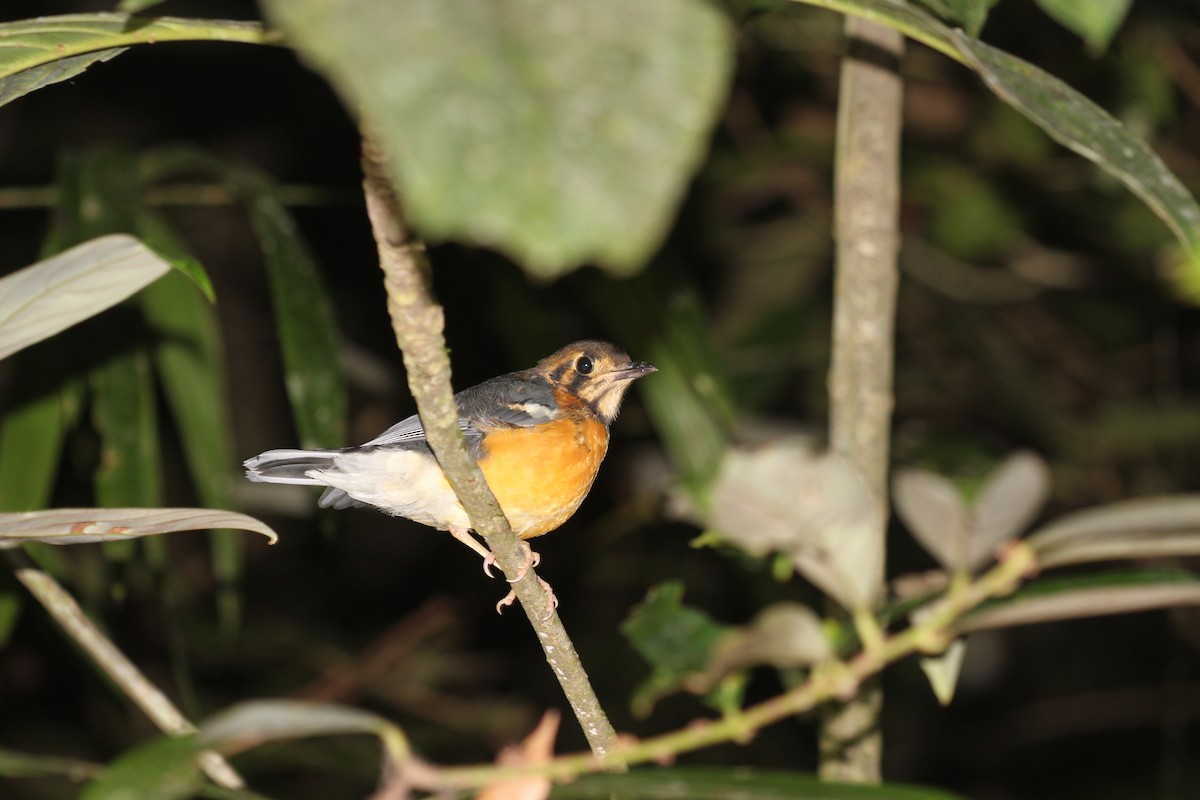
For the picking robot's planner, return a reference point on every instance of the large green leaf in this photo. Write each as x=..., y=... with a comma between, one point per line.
x=559, y=131
x=1066, y=115
x=39, y=52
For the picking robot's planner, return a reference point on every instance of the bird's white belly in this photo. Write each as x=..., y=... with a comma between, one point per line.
x=405, y=483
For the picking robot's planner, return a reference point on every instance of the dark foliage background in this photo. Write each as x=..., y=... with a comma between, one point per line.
x=1032, y=314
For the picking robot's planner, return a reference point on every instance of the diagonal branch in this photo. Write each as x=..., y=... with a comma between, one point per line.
x=418, y=321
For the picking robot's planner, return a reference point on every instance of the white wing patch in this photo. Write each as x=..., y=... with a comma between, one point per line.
x=536, y=410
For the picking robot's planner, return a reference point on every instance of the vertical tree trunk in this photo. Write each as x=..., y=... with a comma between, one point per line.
x=866, y=209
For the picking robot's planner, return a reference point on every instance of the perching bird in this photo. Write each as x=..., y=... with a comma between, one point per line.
x=539, y=436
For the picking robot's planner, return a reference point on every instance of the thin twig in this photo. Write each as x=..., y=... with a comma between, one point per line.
x=866, y=212
x=417, y=321
x=120, y=670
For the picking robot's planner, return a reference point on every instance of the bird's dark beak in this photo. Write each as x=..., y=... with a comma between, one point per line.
x=632, y=371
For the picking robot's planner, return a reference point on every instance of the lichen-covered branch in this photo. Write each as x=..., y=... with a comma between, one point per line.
x=418, y=323
x=119, y=669
x=866, y=211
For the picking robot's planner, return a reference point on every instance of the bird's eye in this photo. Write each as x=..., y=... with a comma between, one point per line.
x=584, y=365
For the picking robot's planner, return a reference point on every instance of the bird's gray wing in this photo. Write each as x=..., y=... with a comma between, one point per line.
x=514, y=400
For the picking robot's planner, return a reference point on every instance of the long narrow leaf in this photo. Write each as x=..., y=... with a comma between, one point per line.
x=88, y=525
x=31, y=436
x=190, y=360
x=1091, y=596
x=1144, y=528
x=1066, y=115
x=124, y=414
x=50, y=296
x=39, y=52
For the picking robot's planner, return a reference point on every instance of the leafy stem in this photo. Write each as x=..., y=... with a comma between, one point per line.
x=829, y=681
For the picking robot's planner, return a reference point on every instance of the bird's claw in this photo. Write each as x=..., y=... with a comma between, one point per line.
x=532, y=559
x=511, y=597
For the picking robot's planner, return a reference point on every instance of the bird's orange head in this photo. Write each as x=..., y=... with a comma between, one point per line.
x=596, y=372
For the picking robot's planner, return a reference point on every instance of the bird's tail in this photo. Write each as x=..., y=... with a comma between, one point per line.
x=288, y=466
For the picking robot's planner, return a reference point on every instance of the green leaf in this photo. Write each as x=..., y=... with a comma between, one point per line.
x=942, y=671
x=15, y=764
x=90, y=525
x=706, y=783
x=961, y=538
x=1088, y=596
x=45, y=50
x=559, y=131
x=134, y=6
x=17, y=85
x=10, y=612
x=163, y=769
x=124, y=414
x=257, y=722
x=50, y=296
x=190, y=361
x=1154, y=527
x=1066, y=115
x=32, y=431
x=783, y=635
x=303, y=311
x=814, y=508
x=1076, y=122
x=970, y=14
x=1094, y=21
x=676, y=639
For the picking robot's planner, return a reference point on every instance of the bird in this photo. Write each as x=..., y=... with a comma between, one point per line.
x=538, y=435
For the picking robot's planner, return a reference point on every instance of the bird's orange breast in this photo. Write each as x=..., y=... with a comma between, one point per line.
x=541, y=474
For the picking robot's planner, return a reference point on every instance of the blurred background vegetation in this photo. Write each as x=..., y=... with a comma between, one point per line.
x=1033, y=314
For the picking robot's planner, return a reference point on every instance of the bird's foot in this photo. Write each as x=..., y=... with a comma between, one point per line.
x=532, y=559
x=511, y=597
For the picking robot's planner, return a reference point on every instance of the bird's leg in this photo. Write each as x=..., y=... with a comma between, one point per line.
x=511, y=597
x=464, y=536
x=532, y=559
